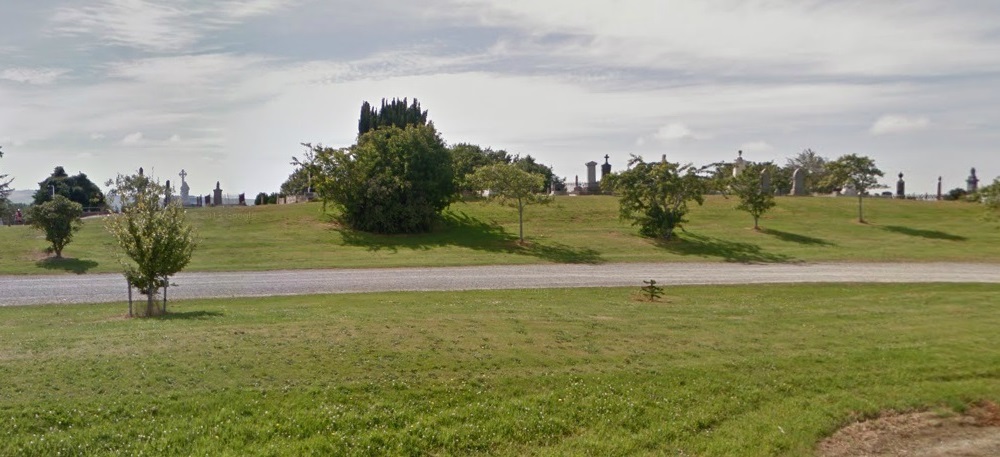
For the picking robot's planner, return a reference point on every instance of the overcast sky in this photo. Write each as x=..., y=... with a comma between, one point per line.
x=228, y=89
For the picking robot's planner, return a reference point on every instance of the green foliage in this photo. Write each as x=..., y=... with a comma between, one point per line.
x=857, y=171
x=466, y=158
x=6, y=210
x=652, y=291
x=153, y=241
x=748, y=188
x=549, y=181
x=957, y=193
x=59, y=218
x=395, y=113
x=509, y=184
x=655, y=195
x=814, y=165
x=393, y=181
x=990, y=195
x=77, y=188
x=298, y=183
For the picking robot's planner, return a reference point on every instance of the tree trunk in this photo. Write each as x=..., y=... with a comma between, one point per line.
x=861, y=217
x=149, y=302
x=520, y=220
x=755, y=226
x=129, y=299
x=165, y=284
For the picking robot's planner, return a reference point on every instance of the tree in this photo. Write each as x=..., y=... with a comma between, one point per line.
x=77, y=188
x=59, y=218
x=396, y=113
x=858, y=171
x=527, y=163
x=749, y=189
x=814, y=165
x=655, y=195
x=466, y=158
x=990, y=195
x=392, y=181
x=510, y=185
x=154, y=241
x=5, y=190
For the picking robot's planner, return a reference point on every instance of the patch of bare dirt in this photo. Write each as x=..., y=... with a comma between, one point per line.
x=973, y=434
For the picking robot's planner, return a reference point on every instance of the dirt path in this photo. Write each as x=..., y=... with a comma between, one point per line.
x=923, y=434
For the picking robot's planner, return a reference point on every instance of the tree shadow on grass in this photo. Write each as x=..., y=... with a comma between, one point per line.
x=796, y=238
x=730, y=251
x=189, y=315
x=460, y=230
x=930, y=234
x=77, y=266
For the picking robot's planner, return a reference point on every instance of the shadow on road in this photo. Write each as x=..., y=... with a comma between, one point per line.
x=730, y=251
x=929, y=234
x=459, y=229
x=77, y=266
x=796, y=238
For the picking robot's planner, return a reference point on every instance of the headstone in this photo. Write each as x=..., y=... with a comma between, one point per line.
x=243, y=199
x=200, y=201
x=208, y=200
x=799, y=182
x=972, y=184
x=849, y=190
x=765, y=180
x=166, y=194
x=592, y=176
x=606, y=168
x=900, y=187
x=217, y=194
x=185, y=188
x=939, y=188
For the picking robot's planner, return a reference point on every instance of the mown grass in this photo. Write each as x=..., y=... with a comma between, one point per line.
x=570, y=230
x=747, y=370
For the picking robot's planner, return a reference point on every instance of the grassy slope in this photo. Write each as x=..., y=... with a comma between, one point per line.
x=762, y=370
x=573, y=229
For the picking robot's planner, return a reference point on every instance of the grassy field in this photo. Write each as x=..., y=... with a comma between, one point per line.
x=761, y=370
x=572, y=229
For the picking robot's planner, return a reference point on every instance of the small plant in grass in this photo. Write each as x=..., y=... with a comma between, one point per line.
x=652, y=291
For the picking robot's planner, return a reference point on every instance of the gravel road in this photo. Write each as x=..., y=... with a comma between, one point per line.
x=100, y=288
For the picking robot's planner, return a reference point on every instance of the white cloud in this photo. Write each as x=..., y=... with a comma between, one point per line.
x=97, y=136
x=132, y=138
x=156, y=26
x=756, y=146
x=890, y=124
x=37, y=76
x=175, y=138
x=674, y=132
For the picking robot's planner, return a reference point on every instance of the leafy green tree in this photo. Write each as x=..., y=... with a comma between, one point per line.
x=655, y=195
x=510, y=185
x=858, y=171
x=814, y=165
x=59, y=218
x=466, y=158
x=77, y=188
x=749, y=189
x=395, y=113
x=392, y=181
x=990, y=195
x=528, y=164
x=154, y=241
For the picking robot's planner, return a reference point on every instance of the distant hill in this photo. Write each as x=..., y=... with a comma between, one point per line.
x=22, y=196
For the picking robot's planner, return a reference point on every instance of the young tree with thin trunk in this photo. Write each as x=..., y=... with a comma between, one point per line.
x=155, y=241
x=510, y=185
x=749, y=189
x=858, y=171
x=59, y=218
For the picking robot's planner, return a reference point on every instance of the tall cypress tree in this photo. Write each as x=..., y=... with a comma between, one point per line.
x=399, y=113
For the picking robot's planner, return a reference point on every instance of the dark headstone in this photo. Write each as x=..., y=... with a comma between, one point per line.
x=972, y=184
x=900, y=187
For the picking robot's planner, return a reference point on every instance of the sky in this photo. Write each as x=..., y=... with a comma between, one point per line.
x=228, y=89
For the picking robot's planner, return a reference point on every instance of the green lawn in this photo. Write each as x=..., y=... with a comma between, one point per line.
x=572, y=229
x=754, y=370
